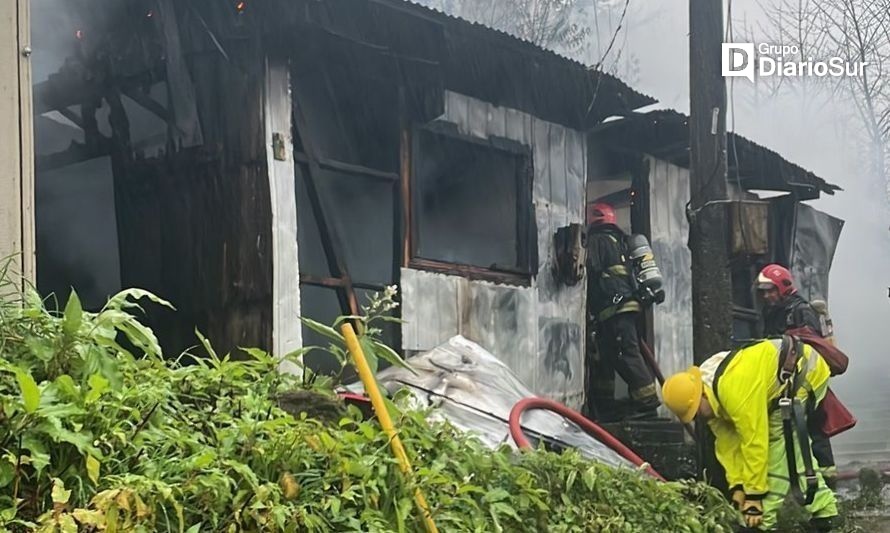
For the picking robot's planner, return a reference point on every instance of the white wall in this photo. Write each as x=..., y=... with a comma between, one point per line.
x=539, y=330
x=668, y=194
x=286, y=326
x=16, y=158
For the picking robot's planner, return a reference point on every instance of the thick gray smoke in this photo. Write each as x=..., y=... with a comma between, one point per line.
x=812, y=129
x=818, y=133
x=76, y=225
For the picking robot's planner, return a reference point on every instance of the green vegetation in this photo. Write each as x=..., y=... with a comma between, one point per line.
x=99, y=432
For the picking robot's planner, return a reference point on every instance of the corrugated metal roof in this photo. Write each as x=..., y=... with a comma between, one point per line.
x=664, y=134
x=546, y=79
x=530, y=46
x=470, y=58
x=506, y=35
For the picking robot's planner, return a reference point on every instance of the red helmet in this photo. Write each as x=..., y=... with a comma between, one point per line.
x=776, y=276
x=600, y=214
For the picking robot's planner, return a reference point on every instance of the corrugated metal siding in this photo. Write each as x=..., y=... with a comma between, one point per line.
x=669, y=193
x=538, y=331
x=430, y=309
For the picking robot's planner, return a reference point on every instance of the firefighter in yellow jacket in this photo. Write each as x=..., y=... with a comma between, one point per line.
x=755, y=401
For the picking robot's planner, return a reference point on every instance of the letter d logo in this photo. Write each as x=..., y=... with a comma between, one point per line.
x=738, y=60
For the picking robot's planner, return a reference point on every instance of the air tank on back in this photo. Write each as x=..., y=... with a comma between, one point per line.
x=645, y=269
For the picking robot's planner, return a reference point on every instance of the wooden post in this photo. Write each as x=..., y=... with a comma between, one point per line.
x=331, y=242
x=16, y=141
x=711, y=284
x=287, y=334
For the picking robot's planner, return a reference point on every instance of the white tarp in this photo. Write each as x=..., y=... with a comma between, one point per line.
x=474, y=391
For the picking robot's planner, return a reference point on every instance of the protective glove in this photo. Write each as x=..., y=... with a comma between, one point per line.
x=737, y=497
x=752, y=512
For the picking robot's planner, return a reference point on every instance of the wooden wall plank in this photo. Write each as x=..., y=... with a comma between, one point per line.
x=26, y=130
x=10, y=148
x=286, y=326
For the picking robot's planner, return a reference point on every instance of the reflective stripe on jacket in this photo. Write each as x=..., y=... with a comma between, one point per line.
x=746, y=388
x=610, y=288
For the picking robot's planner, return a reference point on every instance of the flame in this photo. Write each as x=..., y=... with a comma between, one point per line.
x=241, y=6
x=150, y=13
x=78, y=34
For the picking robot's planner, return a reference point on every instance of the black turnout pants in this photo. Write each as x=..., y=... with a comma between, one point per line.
x=619, y=351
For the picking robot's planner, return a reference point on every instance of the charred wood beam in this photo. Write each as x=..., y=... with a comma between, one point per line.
x=674, y=150
x=330, y=241
x=209, y=32
x=75, y=153
x=471, y=272
x=679, y=158
x=333, y=283
x=87, y=123
x=63, y=90
x=91, y=134
x=400, y=208
x=79, y=152
x=408, y=232
x=151, y=105
x=348, y=168
x=120, y=123
x=179, y=82
x=72, y=116
x=622, y=198
x=55, y=94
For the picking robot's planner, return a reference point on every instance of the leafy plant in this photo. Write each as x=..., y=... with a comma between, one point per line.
x=368, y=328
x=98, y=434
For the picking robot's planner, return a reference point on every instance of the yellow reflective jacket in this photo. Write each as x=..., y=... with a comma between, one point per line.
x=746, y=388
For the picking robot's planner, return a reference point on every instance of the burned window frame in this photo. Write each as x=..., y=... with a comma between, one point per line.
x=526, y=227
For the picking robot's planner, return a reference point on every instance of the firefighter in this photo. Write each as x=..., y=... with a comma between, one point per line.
x=613, y=310
x=755, y=400
x=785, y=309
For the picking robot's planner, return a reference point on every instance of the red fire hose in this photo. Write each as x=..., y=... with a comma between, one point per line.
x=591, y=428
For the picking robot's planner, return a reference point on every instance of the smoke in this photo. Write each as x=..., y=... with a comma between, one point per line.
x=818, y=132
x=76, y=221
x=75, y=218
x=814, y=129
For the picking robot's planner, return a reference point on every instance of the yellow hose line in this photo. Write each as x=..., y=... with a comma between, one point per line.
x=364, y=372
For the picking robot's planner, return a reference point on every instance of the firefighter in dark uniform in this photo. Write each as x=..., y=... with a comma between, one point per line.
x=612, y=312
x=784, y=309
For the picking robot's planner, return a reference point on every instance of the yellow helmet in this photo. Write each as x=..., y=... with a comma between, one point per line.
x=682, y=393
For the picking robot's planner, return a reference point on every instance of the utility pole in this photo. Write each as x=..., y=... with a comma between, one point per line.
x=711, y=284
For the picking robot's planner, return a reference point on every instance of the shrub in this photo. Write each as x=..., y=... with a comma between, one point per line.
x=98, y=433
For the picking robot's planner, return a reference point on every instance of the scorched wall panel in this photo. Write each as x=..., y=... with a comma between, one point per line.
x=669, y=192
x=536, y=330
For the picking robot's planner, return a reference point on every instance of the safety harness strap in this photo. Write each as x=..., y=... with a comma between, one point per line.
x=803, y=437
x=794, y=418
x=721, y=368
x=793, y=412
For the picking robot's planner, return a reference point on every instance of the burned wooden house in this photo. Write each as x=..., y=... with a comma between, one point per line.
x=257, y=161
